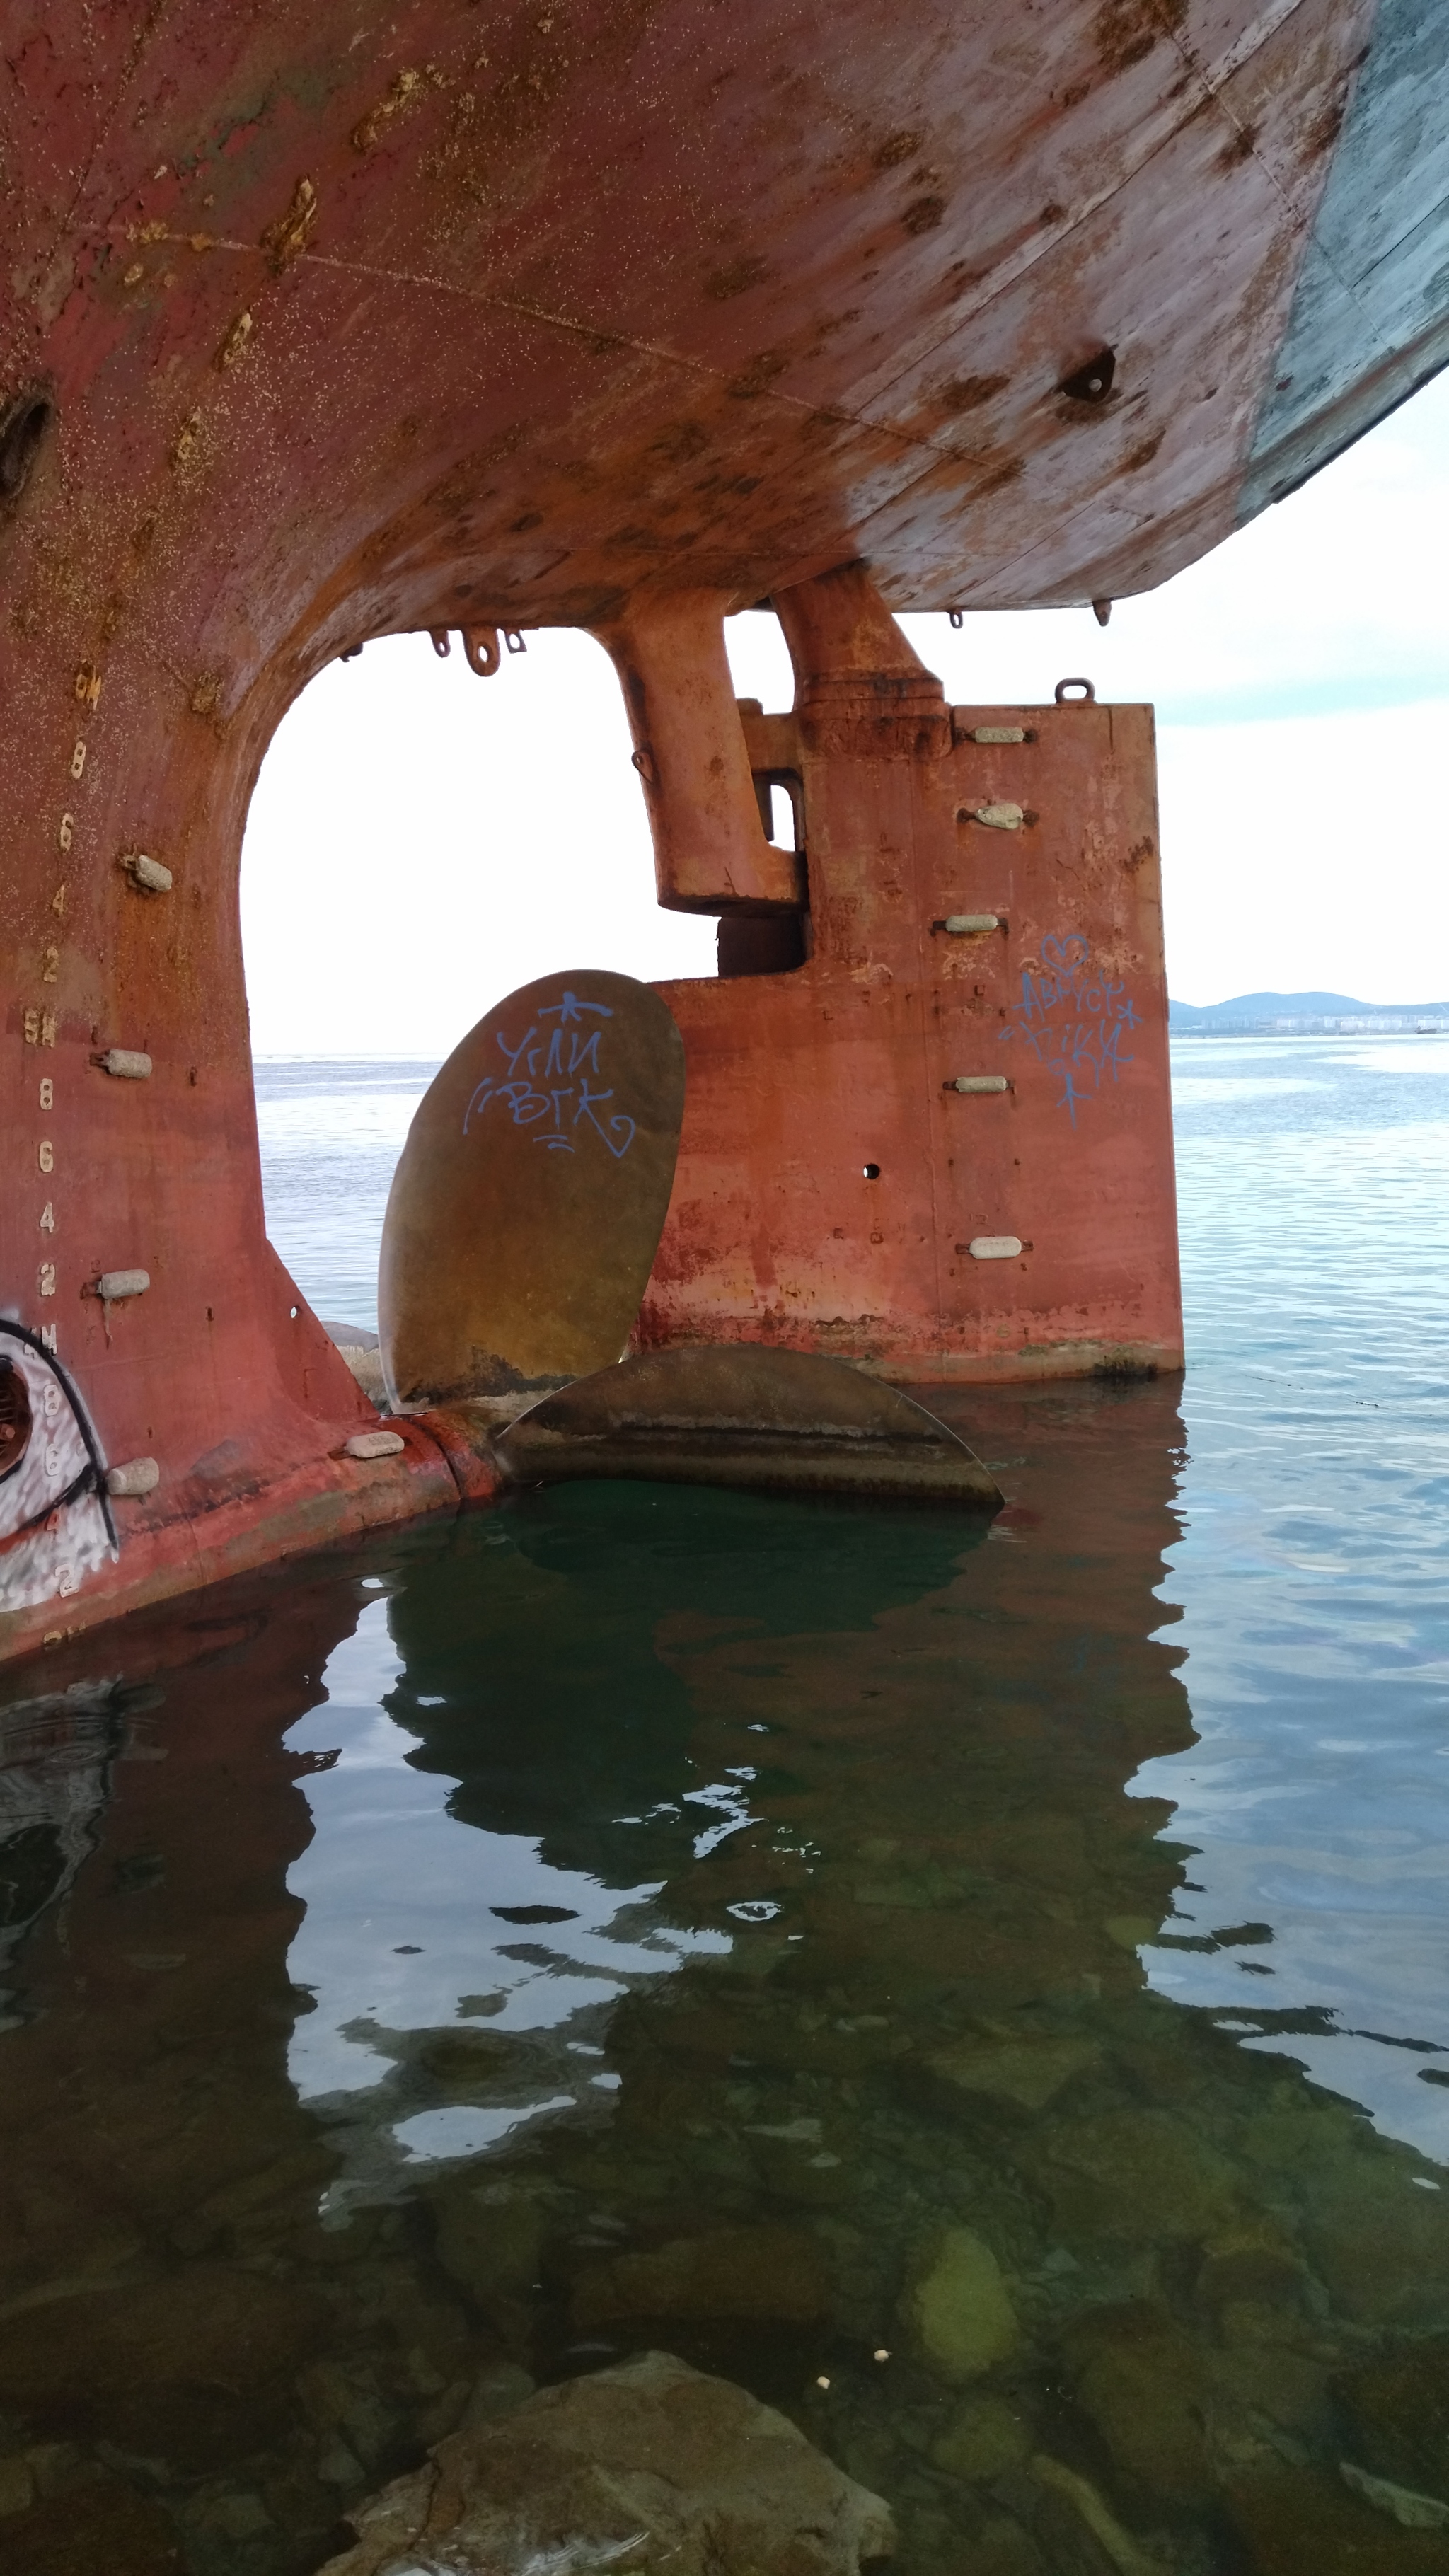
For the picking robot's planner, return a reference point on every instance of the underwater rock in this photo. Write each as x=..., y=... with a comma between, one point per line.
x=17, y=2486
x=260, y=2207
x=713, y=2026
x=105, y=2526
x=1301, y=2522
x=1413, y=2512
x=1381, y=2244
x=1265, y=2379
x=207, y=2322
x=956, y=2308
x=363, y=1358
x=1141, y=2381
x=999, y=2547
x=1023, y=2073
x=1140, y=2177
x=346, y=2408
x=1248, y=2268
x=1067, y=2487
x=473, y=2062
x=626, y=2469
x=1399, y=2411
x=774, y=2274
x=227, y=2531
x=57, y=2468
x=178, y=2366
x=984, y=2439
x=496, y=2391
x=489, y=2239
x=795, y=2161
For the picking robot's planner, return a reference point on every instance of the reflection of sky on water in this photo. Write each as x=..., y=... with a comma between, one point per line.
x=1189, y=1089
x=1393, y=1056
x=1313, y=1572
x=466, y=2129
x=517, y=1822
x=403, y=1930
x=1310, y=1576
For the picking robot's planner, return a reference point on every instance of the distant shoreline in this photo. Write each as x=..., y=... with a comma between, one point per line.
x=1306, y=1015
x=1316, y=1029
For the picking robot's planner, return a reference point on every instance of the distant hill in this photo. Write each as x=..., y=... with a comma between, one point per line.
x=1302, y=1014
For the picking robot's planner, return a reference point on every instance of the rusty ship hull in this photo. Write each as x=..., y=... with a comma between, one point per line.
x=318, y=325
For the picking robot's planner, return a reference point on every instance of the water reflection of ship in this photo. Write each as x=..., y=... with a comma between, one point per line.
x=792, y=1733
x=55, y=1779
x=926, y=2108
x=681, y=1625
x=158, y=2179
x=915, y=2093
x=886, y=1757
x=584, y=1753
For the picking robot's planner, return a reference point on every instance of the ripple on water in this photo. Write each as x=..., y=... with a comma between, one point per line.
x=985, y=1991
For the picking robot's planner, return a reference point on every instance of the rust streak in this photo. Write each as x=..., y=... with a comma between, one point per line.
x=1148, y=139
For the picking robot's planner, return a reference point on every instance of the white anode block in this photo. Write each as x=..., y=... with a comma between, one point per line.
x=960, y=925
x=980, y=1082
x=374, y=1444
x=138, y=1476
x=995, y=1247
x=127, y=1063
x=1002, y=817
x=115, y=1284
x=150, y=873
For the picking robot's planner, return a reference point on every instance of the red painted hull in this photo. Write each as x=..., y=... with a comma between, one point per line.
x=622, y=316
x=801, y=1083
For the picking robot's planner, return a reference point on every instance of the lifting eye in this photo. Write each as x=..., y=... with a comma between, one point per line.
x=22, y=428
x=1093, y=382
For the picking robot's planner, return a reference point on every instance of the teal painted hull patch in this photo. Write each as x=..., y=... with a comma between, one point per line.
x=1370, y=317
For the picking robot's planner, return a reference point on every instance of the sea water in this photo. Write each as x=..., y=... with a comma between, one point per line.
x=981, y=1984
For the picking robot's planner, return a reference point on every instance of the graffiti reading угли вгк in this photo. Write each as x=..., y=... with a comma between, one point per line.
x=557, y=1109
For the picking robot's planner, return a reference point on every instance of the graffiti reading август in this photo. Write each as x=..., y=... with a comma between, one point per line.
x=570, y=1051
x=1074, y=1019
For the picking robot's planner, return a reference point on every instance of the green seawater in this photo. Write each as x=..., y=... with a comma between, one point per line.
x=978, y=1983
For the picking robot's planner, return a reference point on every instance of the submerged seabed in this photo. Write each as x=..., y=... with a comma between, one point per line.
x=853, y=1950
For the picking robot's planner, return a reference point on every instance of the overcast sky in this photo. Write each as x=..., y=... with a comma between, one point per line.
x=420, y=841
